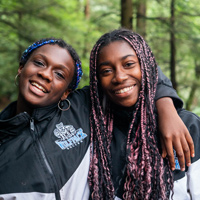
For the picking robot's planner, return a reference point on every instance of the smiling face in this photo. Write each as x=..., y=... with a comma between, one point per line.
x=45, y=77
x=119, y=73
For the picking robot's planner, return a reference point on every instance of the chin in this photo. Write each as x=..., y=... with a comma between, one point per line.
x=127, y=104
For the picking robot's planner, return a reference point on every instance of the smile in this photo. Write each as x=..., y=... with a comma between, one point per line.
x=38, y=86
x=124, y=90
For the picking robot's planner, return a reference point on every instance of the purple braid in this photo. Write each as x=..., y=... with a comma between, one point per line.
x=148, y=175
x=99, y=173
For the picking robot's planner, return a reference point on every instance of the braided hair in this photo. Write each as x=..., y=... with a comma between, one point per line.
x=148, y=175
x=61, y=43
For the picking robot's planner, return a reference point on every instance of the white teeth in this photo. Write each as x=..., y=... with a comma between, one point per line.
x=38, y=86
x=123, y=90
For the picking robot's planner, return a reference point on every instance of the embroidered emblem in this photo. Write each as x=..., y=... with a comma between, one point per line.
x=68, y=136
x=177, y=166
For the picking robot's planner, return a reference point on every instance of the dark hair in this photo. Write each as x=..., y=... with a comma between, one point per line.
x=61, y=43
x=148, y=177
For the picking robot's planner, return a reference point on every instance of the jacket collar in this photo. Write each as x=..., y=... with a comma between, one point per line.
x=12, y=125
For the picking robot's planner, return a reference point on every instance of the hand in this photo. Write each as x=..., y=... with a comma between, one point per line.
x=174, y=134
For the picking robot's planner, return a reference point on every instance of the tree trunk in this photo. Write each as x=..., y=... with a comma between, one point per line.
x=191, y=95
x=19, y=35
x=173, y=46
x=141, y=17
x=195, y=86
x=87, y=9
x=126, y=14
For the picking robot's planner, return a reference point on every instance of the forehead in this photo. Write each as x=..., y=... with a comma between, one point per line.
x=55, y=53
x=116, y=49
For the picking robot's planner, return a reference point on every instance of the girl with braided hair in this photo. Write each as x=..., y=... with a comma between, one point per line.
x=125, y=149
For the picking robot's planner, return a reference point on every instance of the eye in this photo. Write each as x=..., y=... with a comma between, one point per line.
x=130, y=64
x=105, y=71
x=38, y=63
x=60, y=75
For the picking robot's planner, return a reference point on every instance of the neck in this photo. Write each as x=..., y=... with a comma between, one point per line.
x=128, y=109
x=23, y=106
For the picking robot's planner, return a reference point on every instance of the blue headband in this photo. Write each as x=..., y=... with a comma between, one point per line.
x=79, y=75
x=40, y=43
x=35, y=46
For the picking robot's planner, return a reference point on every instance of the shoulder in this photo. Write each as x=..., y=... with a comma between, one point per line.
x=80, y=96
x=192, y=122
x=189, y=118
x=8, y=111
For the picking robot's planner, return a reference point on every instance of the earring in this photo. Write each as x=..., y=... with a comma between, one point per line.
x=60, y=104
x=16, y=82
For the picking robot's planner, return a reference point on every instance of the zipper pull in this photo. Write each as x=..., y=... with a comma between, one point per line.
x=32, y=124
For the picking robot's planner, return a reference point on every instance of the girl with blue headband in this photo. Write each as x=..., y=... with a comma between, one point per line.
x=45, y=134
x=42, y=135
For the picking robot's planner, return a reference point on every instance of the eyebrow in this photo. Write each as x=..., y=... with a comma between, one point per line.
x=60, y=65
x=124, y=57
x=104, y=63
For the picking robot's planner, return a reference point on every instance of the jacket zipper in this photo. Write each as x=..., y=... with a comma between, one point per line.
x=32, y=127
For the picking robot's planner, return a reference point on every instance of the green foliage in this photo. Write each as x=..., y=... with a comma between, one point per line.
x=187, y=26
x=24, y=21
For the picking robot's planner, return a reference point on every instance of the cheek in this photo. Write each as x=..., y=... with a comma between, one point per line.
x=137, y=74
x=140, y=78
x=26, y=72
x=105, y=83
x=61, y=88
x=23, y=79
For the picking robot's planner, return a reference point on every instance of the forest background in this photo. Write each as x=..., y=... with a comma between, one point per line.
x=171, y=28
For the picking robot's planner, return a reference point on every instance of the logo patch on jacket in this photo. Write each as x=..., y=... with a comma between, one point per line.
x=68, y=136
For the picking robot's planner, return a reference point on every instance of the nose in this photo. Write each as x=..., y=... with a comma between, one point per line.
x=120, y=75
x=45, y=74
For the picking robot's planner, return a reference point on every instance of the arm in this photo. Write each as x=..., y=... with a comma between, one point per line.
x=165, y=89
x=174, y=133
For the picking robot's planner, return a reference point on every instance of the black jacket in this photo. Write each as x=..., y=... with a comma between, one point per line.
x=46, y=155
x=41, y=156
x=186, y=183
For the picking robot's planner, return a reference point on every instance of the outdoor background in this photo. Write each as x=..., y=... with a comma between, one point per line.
x=171, y=28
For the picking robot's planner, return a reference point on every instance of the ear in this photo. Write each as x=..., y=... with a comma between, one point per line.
x=20, y=69
x=66, y=93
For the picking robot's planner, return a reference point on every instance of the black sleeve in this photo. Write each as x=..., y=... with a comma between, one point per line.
x=165, y=89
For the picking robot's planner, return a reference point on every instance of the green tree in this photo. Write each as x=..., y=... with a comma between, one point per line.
x=127, y=14
x=82, y=22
